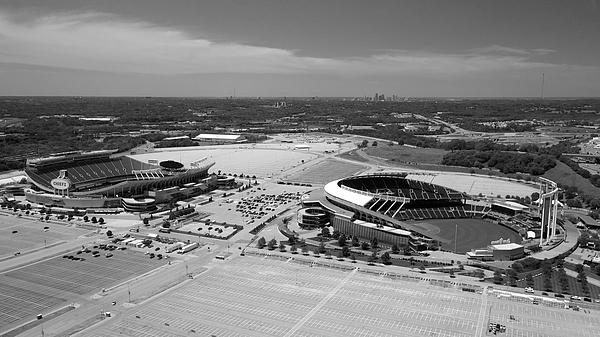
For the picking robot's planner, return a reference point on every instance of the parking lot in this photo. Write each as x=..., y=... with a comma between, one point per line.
x=20, y=234
x=257, y=297
x=27, y=291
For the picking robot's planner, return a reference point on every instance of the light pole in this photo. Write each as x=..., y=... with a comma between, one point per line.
x=455, y=235
x=489, y=319
x=128, y=293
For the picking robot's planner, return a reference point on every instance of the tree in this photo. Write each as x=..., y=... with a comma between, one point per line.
x=364, y=245
x=386, y=258
x=325, y=232
x=272, y=244
x=512, y=277
x=321, y=248
x=529, y=280
x=395, y=249
x=374, y=243
x=422, y=268
x=353, y=258
x=293, y=249
x=282, y=247
x=101, y=221
x=340, y=256
x=145, y=221
x=316, y=251
x=406, y=249
x=517, y=266
x=585, y=288
x=579, y=268
x=563, y=280
x=374, y=143
x=355, y=242
x=497, y=276
x=336, y=234
x=94, y=220
x=109, y=233
x=547, y=284
x=304, y=250
x=292, y=240
x=341, y=240
x=478, y=273
x=345, y=251
x=261, y=243
x=85, y=218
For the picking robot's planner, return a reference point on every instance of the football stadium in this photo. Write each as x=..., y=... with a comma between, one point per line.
x=401, y=211
x=102, y=180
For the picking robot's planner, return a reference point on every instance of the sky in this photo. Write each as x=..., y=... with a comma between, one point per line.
x=300, y=48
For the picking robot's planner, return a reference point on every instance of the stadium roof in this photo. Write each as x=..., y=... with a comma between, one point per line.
x=506, y=246
x=392, y=230
x=335, y=190
x=176, y=138
x=511, y=205
x=217, y=136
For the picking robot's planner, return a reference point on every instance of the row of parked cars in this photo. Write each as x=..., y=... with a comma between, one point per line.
x=258, y=206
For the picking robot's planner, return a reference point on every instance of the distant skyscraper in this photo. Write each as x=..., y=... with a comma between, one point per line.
x=376, y=97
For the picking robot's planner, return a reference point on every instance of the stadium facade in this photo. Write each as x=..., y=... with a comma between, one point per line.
x=382, y=206
x=101, y=180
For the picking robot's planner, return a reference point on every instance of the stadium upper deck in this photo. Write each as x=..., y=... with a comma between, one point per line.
x=98, y=175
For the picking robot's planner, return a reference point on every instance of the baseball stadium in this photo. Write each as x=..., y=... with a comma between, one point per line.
x=103, y=180
x=402, y=211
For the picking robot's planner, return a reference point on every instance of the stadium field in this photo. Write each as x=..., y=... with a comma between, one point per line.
x=470, y=233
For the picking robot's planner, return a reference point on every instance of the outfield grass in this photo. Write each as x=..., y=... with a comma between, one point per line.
x=470, y=233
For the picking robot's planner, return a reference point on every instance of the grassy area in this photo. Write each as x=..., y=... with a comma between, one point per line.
x=563, y=174
x=405, y=154
x=351, y=155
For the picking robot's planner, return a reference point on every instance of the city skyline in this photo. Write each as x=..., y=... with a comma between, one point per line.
x=300, y=48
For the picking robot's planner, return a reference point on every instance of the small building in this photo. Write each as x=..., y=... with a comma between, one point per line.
x=588, y=221
x=220, y=138
x=501, y=252
x=507, y=251
x=302, y=147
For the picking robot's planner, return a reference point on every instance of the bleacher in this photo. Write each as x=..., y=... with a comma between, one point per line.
x=427, y=201
x=398, y=186
x=89, y=170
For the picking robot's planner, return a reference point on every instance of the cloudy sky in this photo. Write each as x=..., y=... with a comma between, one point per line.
x=270, y=48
